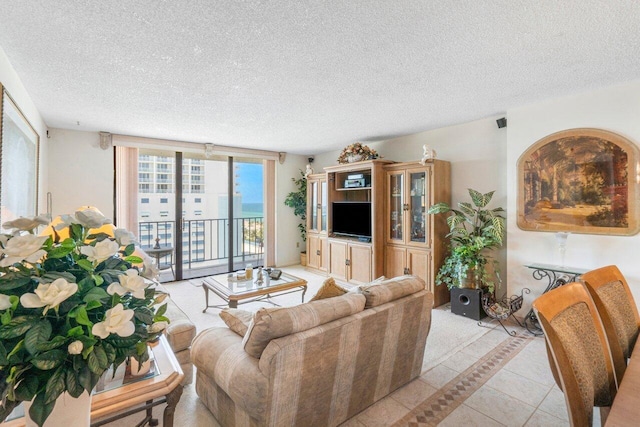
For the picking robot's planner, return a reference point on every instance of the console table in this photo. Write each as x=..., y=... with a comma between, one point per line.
x=555, y=275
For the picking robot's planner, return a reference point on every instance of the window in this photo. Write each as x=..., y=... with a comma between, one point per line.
x=163, y=188
x=164, y=214
x=197, y=213
x=164, y=200
x=198, y=200
x=144, y=200
x=144, y=214
x=144, y=188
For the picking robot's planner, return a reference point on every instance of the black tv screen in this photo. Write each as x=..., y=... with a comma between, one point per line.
x=352, y=218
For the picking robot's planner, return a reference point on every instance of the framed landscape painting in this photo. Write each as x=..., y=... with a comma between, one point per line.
x=19, y=165
x=580, y=181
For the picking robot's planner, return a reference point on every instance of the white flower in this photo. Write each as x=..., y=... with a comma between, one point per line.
x=66, y=221
x=130, y=281
x=49, y=295
x=91, y=219
x=4, y=302
x=75, y=347
x=26, y=224
x=149, y=270
x=101, y=251
x=124, y=237
x=117, y=321
x=20, y=248
x=158, y=327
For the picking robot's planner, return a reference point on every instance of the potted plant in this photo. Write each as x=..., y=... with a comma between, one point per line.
x=71, y=308
x=474, y=231
x=298, y=201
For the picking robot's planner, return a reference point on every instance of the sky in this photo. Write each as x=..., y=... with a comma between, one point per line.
x=250, y=182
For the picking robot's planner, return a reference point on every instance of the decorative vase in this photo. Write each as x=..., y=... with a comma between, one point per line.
x=303, y=259
x=352, y=158
x=138, y=370
x=68, y=412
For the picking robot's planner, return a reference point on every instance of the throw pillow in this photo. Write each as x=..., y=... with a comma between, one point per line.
x=392, y=289
x=237, y=320
x=358, y=289
x=328, y=289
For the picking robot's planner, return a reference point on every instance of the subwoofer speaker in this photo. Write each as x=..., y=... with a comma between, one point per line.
x=467, y=303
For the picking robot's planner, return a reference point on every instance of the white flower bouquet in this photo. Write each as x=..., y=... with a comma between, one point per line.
x=70, y=308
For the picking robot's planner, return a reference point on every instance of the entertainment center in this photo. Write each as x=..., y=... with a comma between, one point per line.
x=367, y=219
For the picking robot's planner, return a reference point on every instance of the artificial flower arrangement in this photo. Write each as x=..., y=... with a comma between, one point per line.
x=70, y=308
x=357, y=150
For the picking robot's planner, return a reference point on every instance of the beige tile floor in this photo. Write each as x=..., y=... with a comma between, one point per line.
x=522, y=393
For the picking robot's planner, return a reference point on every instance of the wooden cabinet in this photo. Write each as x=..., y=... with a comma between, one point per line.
x=317, y=252
x=415, y=242
x=401, y=260
x=317, y=221
x=350, y=261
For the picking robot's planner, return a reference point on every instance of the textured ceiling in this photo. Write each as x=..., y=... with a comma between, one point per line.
x=308, y=76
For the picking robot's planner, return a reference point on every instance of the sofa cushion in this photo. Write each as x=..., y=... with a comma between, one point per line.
x=237, y=320
x=392, y=289
x=270, y=323
x=329, y=289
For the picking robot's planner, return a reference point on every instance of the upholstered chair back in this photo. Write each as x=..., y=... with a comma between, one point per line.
x=618, y=312
x=579, y=349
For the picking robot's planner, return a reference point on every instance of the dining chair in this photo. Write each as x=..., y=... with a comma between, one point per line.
x=612, y=296
x=578, y=350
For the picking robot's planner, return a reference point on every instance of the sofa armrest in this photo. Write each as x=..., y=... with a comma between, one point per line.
x=218, y=353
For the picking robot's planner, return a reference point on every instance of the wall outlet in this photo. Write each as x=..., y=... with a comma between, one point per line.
x=297, y=244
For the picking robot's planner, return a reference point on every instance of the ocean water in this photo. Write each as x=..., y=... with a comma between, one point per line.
x=252, y=210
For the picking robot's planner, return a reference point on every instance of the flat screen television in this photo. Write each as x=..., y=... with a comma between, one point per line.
x=352, y=218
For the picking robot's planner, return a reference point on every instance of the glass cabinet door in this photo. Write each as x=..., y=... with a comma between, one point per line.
x=396, y=206
x=323, y=206
x=417, y=205
x=314, y=205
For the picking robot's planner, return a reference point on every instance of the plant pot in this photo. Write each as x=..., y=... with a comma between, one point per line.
x=68, y=412
x=303, y=259
x=352, y=158
x=469, y=279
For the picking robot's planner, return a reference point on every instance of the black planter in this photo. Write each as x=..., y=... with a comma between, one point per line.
x=467, y=303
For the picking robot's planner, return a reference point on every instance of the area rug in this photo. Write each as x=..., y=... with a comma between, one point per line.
x=440, y=404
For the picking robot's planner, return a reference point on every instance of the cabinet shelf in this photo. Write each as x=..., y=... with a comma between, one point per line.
x=352, y=189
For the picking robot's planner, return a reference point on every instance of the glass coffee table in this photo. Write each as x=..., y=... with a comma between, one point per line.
x=235, y=292
x=119, y=396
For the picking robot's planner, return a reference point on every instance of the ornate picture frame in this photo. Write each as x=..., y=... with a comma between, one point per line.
x=580, y=181
x=19, y=154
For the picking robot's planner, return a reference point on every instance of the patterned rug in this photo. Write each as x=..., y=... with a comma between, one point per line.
x=440, y=404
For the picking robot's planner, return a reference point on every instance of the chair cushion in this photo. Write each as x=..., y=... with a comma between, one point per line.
x=329, y=289
x=181, y=330
x=237, y=320
x=615, y=299
x=270, y=323
x=392, y=289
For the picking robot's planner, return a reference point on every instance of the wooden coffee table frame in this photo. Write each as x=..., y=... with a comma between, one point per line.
x=263, y=293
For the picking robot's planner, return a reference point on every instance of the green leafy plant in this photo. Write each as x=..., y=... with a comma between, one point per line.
x=72, y=305
x=474, y=231
x=298, y=201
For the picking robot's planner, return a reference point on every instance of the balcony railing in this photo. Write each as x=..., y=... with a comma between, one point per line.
x=206, y=241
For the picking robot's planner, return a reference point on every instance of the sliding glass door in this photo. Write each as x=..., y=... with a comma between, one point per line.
x=208, y=210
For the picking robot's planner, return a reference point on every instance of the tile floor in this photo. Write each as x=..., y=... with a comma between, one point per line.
x=522, y=393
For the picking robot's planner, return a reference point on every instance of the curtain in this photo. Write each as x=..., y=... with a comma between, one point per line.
x=127, y=188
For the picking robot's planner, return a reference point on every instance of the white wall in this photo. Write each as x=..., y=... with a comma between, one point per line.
x=80, y=172
x=616, y=109
x=288, y=240
x=13, y=85
x=477, y=152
